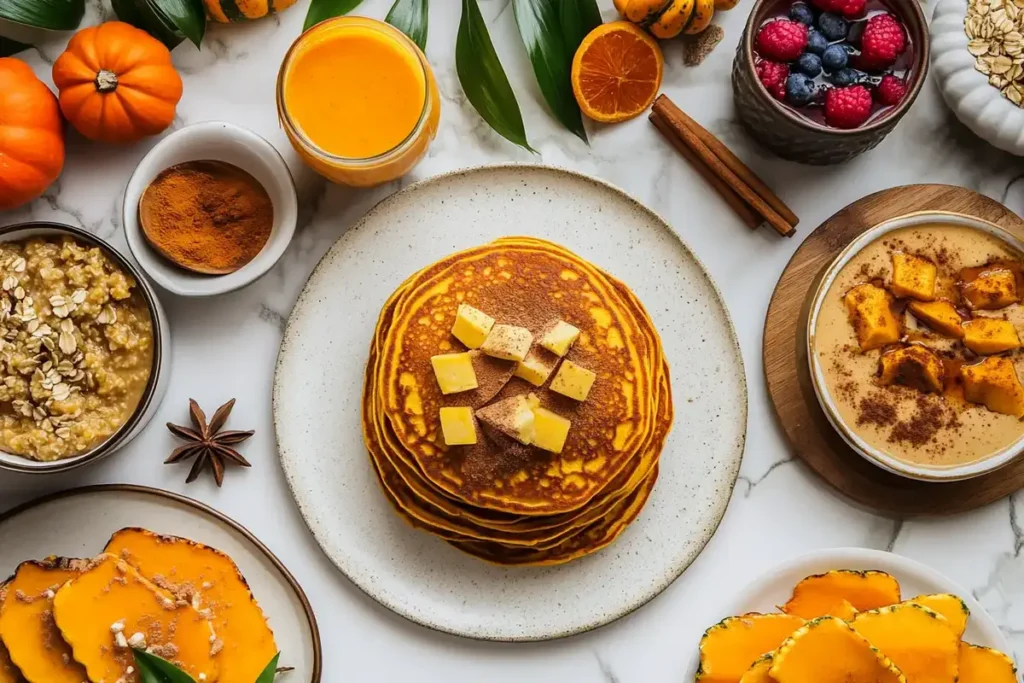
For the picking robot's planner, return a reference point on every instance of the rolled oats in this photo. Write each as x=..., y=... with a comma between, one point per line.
x=995, y=29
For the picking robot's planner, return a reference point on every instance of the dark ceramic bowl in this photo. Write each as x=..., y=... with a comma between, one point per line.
x=793, y=136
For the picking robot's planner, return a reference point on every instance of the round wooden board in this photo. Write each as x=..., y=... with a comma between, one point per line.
x=788, y=376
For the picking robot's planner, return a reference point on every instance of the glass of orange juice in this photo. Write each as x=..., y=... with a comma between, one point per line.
x=358, y=100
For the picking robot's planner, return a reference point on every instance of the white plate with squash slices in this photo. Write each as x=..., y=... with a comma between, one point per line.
x=853, y=615
x=117, y=564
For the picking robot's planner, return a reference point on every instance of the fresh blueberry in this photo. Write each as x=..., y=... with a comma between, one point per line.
x=799, y=89
x=845, y=77
x=816, y=42
x=802, y=12
x=833, y=26
x=834, y=58
x=808, y=64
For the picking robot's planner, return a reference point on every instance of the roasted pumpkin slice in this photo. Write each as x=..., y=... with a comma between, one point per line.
x=110, y=608
x=984, y=665
x=920, y=641
x=841, y=610
x=731, y=646
x=950, y=606
x=8, y=672
x=759, y=672
x=26, y=621
x=828, y=650
x=816, y=595
x=209, y=581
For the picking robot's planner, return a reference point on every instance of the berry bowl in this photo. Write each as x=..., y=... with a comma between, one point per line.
x=821, y=81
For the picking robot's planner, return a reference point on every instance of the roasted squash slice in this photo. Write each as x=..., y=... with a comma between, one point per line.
x=828, y=650
x=816, y=595
x=984, y=665
x=759, y=672
x=26, y=621
x=950, y=606
x=731, y=646
x=111, y=606
x=209, y=581
x=841, y=610
x=8, y=672
x=920, y=641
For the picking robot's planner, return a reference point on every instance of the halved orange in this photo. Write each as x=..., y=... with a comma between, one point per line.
x=616, y=72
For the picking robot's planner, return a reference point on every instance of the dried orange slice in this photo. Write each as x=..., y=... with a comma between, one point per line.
x=616, y=72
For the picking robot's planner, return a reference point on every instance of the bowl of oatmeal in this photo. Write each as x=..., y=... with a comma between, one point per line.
x=82, y=340
x=914, y=342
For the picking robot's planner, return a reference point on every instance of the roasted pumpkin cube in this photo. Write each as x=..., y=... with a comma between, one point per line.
x=940, y=315
x=991, y=290
x=919, y=641
x=816, y=595
x=984, y=665
x=870, y=311
x=948, y=605
x=913, y=366
x=995, y=385
x=730, y=647
x=986, y=336
x=828, y=650
x=913, y=277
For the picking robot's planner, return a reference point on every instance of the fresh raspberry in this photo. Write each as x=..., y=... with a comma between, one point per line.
x=782, y=40
x=851, y=9
x=773, y=76
x=847, y=107
x=882, y=42
x=890, y=90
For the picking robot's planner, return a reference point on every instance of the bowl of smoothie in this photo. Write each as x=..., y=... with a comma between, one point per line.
x=358, y=101
x=913, y=340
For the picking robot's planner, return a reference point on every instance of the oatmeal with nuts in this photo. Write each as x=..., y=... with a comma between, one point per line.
x=76, y=347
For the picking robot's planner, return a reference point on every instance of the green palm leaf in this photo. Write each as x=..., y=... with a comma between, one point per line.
x=328, y=9
x=56, y=15
x=410, y=17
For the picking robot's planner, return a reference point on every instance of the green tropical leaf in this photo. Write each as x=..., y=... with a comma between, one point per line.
x=56, y=15
x=140, y=14
x=186, y=16
x=578, y=18
x=10, y=47
x=327, y=9
x=410, y=17
x=484, y=80
x=268, y=673
x=153, y=669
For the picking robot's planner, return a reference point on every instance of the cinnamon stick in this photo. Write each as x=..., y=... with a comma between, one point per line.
x=742, y=209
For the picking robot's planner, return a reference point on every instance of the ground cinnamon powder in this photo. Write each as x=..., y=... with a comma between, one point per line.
x=207, y=216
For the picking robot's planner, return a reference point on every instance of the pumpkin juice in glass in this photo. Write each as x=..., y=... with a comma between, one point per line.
x=358, y=101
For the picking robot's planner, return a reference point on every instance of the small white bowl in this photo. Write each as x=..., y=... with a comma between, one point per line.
x=215, y=141
x=868, y=452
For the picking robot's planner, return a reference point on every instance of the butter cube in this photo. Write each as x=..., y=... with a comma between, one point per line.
x=573, y=381
x=870, y=311
x=458, y=426
x=986, y=336
x=939, y=315
x=471, y=326
x=991, y=290
x=550, y=430
x=559, y=338
x=512, y=416
x=913, y=276
x=454, y=372
x=913, y=366
x=536, y=367
x=507, y=342
x=994, y=384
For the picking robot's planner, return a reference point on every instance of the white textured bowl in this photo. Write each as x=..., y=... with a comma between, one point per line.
x=872, y=454
x=978, y=105
x=217, y=141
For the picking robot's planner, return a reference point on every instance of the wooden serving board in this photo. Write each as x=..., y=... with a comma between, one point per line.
x=788, y=375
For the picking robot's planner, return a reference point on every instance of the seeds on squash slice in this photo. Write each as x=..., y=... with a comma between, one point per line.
x=950, y=606
x=920, y=641
x=816, y=595
x=8, y=672
x=210, y=581
x=984, y=665
x=110, y=608
x=26, y=621
x=758, y=673
x=828, y=650
x=730, y=647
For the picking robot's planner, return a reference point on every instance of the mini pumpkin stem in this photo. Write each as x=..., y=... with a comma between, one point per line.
x=106, y=81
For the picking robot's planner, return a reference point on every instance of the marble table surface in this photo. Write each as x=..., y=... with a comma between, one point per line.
x=226, y=347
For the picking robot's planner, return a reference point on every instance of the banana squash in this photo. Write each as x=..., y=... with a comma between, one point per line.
x=920, y=641
x=730, y=647
x=26, y=621
x=828, y=650
x=984, y=665
x=8, y=672
x=642, y=12
x=759, y=672
x=949, y=606
x=669, y=18
x=211, y=582
x=816, y=595
x=228, y=11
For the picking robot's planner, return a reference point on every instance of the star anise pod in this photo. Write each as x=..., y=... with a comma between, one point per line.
x=207, y=443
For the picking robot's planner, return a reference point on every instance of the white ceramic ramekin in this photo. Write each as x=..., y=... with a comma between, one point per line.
x=158, y=379
x=828, y=405
x=214, y=141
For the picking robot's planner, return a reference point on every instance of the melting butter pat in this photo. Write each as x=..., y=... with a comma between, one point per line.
x=507, y=342
x=573, y=381
x=550, y=430
x=471, y=326
x=512, y=416
x=454, y=372
x=535, y=368
x=458, y=426
x=559, y=338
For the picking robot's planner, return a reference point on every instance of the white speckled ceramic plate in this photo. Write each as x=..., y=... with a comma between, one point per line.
x=79, y=522
x=320, y=375
x=776, y=587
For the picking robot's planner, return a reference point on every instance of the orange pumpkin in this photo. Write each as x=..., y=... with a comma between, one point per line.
x=117, y=83
x=31, y=135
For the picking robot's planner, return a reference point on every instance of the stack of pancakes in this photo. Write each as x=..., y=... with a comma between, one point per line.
x=498, y=499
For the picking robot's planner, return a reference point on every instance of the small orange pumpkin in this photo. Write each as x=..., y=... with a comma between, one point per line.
x=117, y=83
x=31, y=135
